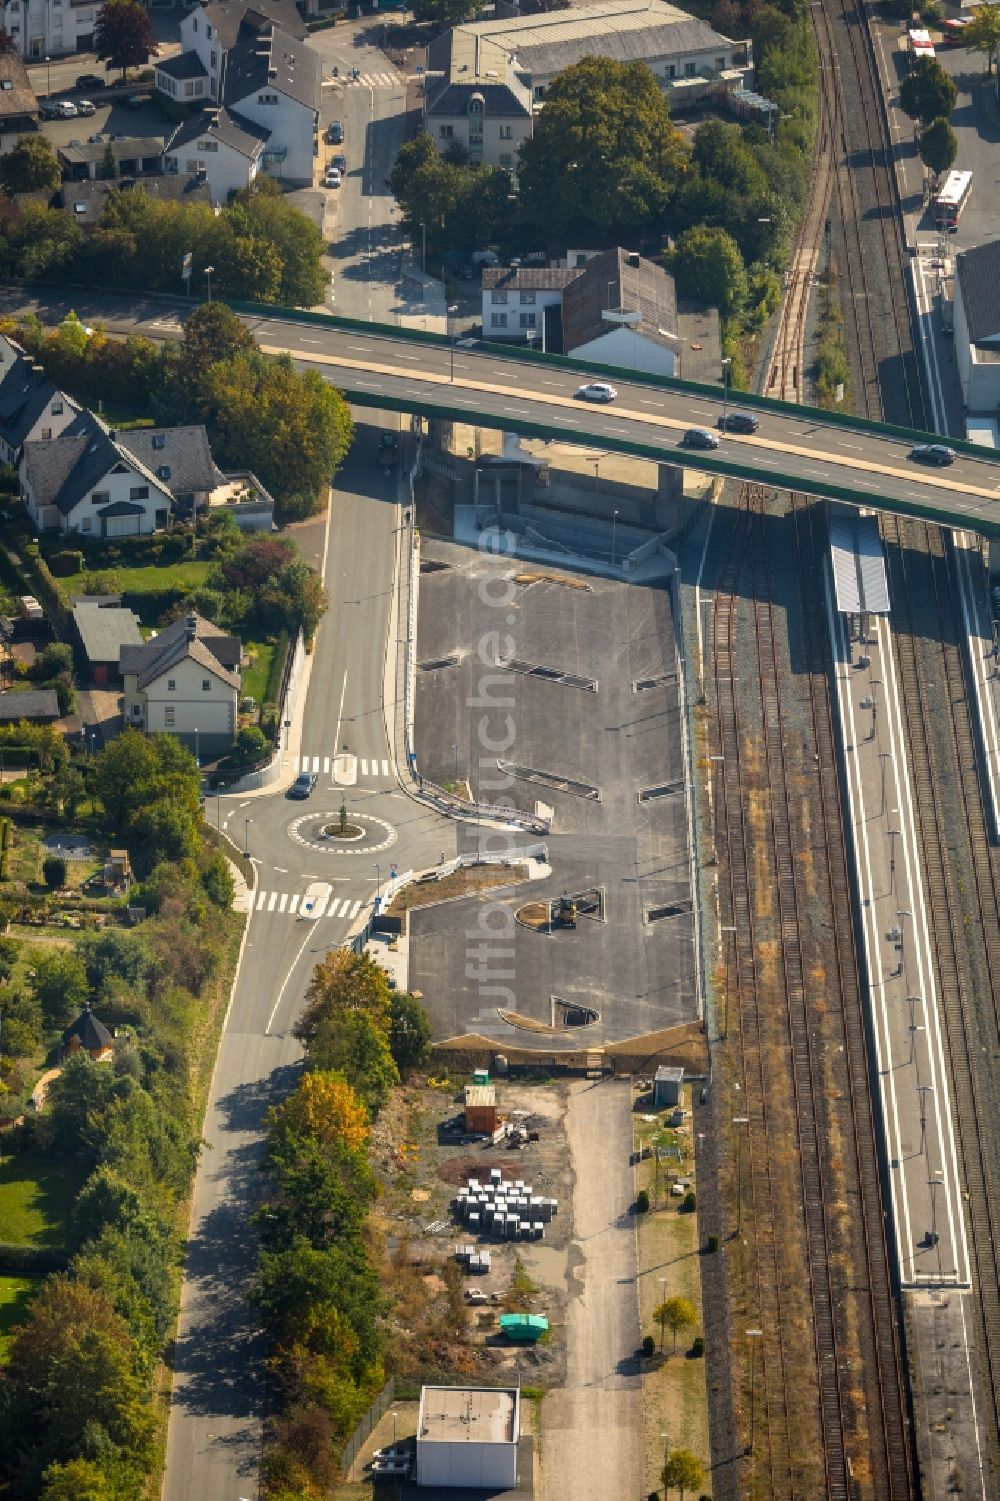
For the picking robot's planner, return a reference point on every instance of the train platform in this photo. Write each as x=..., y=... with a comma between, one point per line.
x=982, y=654
x=927, y=1230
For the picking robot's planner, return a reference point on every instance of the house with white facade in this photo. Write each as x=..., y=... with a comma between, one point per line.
x=977, y=327
x=84, y=481
x=31, y=407
x=49, y=28
x=223, y=149
x=475, y=99
x=185, y=681
x=255, y=61
x=612, y=306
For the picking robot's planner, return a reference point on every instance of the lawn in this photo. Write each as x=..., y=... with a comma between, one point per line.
x=15, y=1295
x=36, y=1195
x=255, y=677
x=182, y=577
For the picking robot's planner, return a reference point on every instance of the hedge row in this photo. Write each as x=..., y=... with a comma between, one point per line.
x=34, y=1259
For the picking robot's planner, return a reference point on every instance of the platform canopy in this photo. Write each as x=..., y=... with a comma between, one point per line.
x=858, y=564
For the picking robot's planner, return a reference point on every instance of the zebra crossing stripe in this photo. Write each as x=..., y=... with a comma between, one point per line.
x=293, y=904
x=326, y=765
x=355, y=909
x=273, y=900
x=260, y=899
x=321, y=907
x=284, y=901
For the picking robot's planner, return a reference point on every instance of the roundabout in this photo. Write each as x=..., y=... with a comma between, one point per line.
x=363, y=835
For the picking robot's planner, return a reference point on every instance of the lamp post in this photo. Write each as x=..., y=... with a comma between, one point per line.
x=378, y=881
x=455, y=749
x=911, y=1001
x=883, y=756
x=727, y=361
x=752, y=1334
x=48, y=74
x=423, y=248
x=614, y=524
x=452, y=310
x=218, y=804
x=893, y=836
x=739, y=1120
x=902, y=915
x=923, y=1090
x=197, y=756
x=597, y=480
x=208, y=279
x=246, y=837
x=934, y=1184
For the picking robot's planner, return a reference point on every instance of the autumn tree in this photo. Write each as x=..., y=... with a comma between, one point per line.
x=675, y=1314
x=344, y=981
x=982, y=34
x=31, y=167
x=325, y=1107
x=123, y=35
x=683, y=1471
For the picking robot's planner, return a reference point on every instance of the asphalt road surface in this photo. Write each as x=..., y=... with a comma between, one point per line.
x=379, y=367
x=214, y=1437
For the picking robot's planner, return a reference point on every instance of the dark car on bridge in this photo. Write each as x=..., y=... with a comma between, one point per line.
x=933, y=453
x=700, y=437
x=739, y=422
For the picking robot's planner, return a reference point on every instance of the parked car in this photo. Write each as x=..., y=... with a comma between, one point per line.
x=933, y=453
x=339, y=161
x=397, y=1452
x=90, y=81
x=332, y=178
x=85, y=107
x=66, y=110
x=303, y=784
x=485, y=258
x=335, y=133
x=475, y=1295
x=739, y=422
x=135, y=101
x=400, y=1467
x=700, y=437
x=49, y=109
x=96, y=140
x=596, y=390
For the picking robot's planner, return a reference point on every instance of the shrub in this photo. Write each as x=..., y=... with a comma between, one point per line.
x=66, y=563
x=642, y=1202
x=689, y=1203
x=54, y=871
x=697, y=1348
x=648, y=1346
x=713, y=1244
x=251, y=745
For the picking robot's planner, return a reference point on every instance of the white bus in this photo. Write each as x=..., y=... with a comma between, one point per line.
x=951, y=199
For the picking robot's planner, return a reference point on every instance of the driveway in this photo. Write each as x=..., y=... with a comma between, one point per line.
x=591, y=1442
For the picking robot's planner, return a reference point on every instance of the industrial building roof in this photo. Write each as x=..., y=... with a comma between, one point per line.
x=858, y=564
x=464, y=1414
x=617, y=282
x=978, y=276
x=670, y=1071
x=480, y=1094
x=103, y=631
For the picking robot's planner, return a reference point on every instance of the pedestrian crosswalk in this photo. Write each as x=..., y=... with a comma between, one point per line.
x=368, y=766
x=387, y=79
x=288, y=903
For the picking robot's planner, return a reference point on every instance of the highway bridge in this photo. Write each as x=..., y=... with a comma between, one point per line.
x=402, y=369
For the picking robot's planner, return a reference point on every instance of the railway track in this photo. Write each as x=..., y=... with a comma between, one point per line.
x=787, y=1038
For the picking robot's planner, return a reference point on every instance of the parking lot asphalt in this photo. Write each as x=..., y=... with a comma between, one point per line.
x=470, y=959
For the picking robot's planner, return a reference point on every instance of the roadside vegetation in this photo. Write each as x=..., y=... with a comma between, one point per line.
x=832, y=371
x=317, y=1284
x=93, y=1186
x=289, y=426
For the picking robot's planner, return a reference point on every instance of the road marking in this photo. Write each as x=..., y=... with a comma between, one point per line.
x=284, y=983
x=271, y=903
x=261, y=897
x=284, y=901
x=293, y=904
x=364, y=767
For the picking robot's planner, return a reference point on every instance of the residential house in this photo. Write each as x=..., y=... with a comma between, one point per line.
x=678, y=48
x=474, y=98
x=88, y=1034
x=87, y=200
x=185, y=681
x=31, y=407
x=101, y=632
x=49, y=28
x=612, y=307
x=180, y=458
x=977, y=327
x=224, y=149
x=18, y=105
x=256, y=61
x=84, y=481
x=134, y=156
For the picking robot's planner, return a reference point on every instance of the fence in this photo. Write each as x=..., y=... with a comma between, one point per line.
x=374, y=1415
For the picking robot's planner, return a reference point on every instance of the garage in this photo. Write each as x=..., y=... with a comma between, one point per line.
x=122, y=519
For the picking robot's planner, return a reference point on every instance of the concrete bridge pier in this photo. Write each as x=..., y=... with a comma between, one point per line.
x=670, y=502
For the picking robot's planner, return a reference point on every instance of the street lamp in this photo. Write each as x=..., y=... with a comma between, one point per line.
x=614, y=524
x=48, y=75
x=752, y=1334
x=455, y=749
x=423, y=248
x=218, y=804
x=727, y=361
x=452, y=310
x=246, y=837
x=208, y=278
x=893, y=836
x=923, y=1090
x=902, y=938
x=597, y=480
x=378, y=881
x=197, y=756
x=883, y=756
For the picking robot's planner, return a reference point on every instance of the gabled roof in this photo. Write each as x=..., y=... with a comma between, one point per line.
x=180, y=457
x=529, y=278
x=612, y=282
x=181, y=66
x=227, y=17
x=61, y=471
x=31, y=703
x=91, y=1033
x=189, y=637
x=25, y=392
x=272, y=61
x=17, y=97
x=87, y=200
x=104, y=630
x=219, y=124
x=978, y=274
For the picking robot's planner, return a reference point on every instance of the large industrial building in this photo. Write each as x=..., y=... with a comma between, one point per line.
x=467, y=1436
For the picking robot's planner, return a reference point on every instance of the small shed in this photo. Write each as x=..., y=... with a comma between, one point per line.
x=523, y=1328
x=117, y=871
x=480, y=1109
x=102, y=631
x=667, y=1086
x=89, y=1035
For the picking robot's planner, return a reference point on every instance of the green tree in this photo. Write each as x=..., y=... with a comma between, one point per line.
x=105, y=1202
x=59, y=984
x=20, y=1025
x=54, y=871
x=447, y=13
x=115, y=954
x=342, y=982
x=123, y=35
x=927, y=92
x=302, y=1286
x=938, y=145
x=136, y=770
x=983, y=33
x=79, y=1480
x=212, y=334
x=353, y=1044
x=708, y=266
x=164, y=832
x=76, y=1107
x=65, y=791
x=264, y=219
x=675, y=1314
x=604, y=156
x=31, y=167
x=458, y=204
x=409, y=1032
x=683, y=1471
x=323, y=1191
